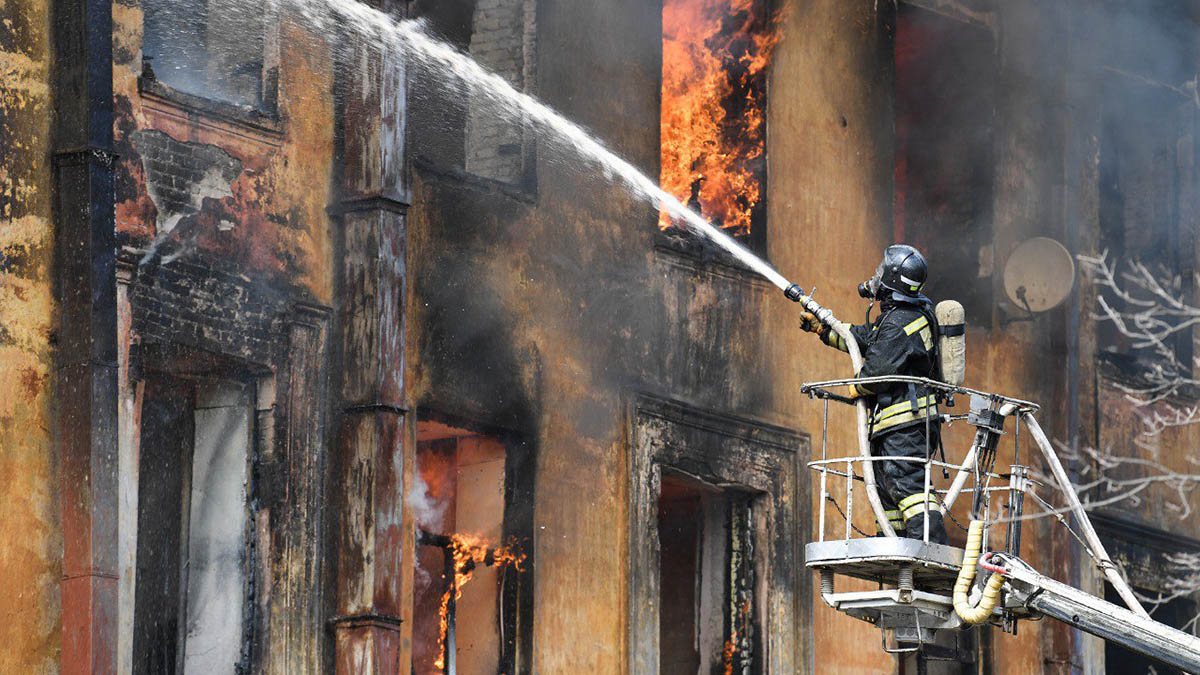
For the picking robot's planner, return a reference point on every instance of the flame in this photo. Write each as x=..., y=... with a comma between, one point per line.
x=731, y=643
x=470, y=551
x=715, y=55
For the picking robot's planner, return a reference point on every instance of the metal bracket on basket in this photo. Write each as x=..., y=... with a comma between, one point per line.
x=902, y=650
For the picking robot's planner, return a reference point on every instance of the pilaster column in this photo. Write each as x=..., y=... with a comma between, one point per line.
x=375, y=533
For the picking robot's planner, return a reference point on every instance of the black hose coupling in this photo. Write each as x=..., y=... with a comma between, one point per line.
x=794, y=292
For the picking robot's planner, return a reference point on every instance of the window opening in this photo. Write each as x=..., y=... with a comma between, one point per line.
x=464, y=614
x=215, y=49
x=191, y=597
x=713, y=125
x=942, y=202
x=498, y=146
x=1146, y=144
x=706, y=579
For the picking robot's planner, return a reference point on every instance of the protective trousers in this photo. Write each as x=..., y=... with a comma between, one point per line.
x=901, y=485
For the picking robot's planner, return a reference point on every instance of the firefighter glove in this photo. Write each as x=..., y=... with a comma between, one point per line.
x=810, y=323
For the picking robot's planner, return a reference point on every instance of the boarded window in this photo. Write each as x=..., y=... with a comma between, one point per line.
x=192, y=560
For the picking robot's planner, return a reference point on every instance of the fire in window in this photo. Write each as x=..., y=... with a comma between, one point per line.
x=706, y=579
x=468, y=565
x=713, y=135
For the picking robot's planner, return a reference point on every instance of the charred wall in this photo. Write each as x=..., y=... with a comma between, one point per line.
x=552, y=300
x=544, y=302
x=542, y=307
x=200, y=176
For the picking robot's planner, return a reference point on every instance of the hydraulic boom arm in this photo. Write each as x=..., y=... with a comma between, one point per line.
x=1093, y=615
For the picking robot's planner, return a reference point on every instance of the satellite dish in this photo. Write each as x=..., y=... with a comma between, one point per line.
x=1039, y=274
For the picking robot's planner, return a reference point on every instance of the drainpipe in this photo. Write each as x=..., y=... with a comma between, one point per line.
x=85, y=378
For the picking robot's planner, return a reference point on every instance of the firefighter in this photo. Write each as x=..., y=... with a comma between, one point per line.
x=904, y=417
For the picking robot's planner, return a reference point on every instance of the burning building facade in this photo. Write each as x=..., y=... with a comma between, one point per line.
x=316, y=362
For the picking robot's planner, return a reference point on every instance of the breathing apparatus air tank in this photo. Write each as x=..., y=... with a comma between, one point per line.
x=952, y=341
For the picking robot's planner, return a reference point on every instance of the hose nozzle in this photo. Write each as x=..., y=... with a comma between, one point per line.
x=794, y=292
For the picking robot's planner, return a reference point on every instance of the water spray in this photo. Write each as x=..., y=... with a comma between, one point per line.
x=424, y=46
x=425, y=49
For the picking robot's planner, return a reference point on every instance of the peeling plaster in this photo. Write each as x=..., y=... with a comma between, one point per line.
x=180, y=176
x=30, y=554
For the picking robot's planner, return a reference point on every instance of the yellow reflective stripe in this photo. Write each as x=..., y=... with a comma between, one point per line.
x=916, y=325
x=915, y=499
x=895, y=518
x=903, y=406
x=914, y=505
x=903, y=413
x=902, y=419
x=838, y=341
x=919, y=509
x=834, y=340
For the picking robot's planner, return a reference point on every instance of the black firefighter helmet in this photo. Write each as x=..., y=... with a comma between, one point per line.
x=903, y=271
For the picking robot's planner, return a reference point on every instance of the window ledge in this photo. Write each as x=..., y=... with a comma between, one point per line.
x=240, y=115
x=524, y=191
x=1120, y=370
x=687, y=250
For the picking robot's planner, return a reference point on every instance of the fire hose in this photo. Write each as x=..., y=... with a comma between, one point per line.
x=825, y=316
x=966, y=610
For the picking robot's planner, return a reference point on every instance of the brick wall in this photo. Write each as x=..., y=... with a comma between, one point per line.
x=196, y=303
x=180, y=175
x=502, y=40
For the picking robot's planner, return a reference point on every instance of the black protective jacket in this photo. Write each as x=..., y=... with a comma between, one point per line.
x=900, y=341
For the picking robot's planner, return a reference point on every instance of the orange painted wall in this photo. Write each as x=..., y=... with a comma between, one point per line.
x=30, y=541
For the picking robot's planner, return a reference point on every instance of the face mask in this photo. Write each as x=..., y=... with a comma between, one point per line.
x=870, y=288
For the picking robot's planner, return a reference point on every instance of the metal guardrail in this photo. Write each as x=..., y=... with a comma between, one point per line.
x=821, y=390
x=1006, y=405
x=823, y=466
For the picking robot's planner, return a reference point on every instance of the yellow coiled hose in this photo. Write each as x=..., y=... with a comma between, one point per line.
x=966, y=575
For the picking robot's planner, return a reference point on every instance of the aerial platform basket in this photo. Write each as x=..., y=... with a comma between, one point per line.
x=916, y=588
x=916, y=577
